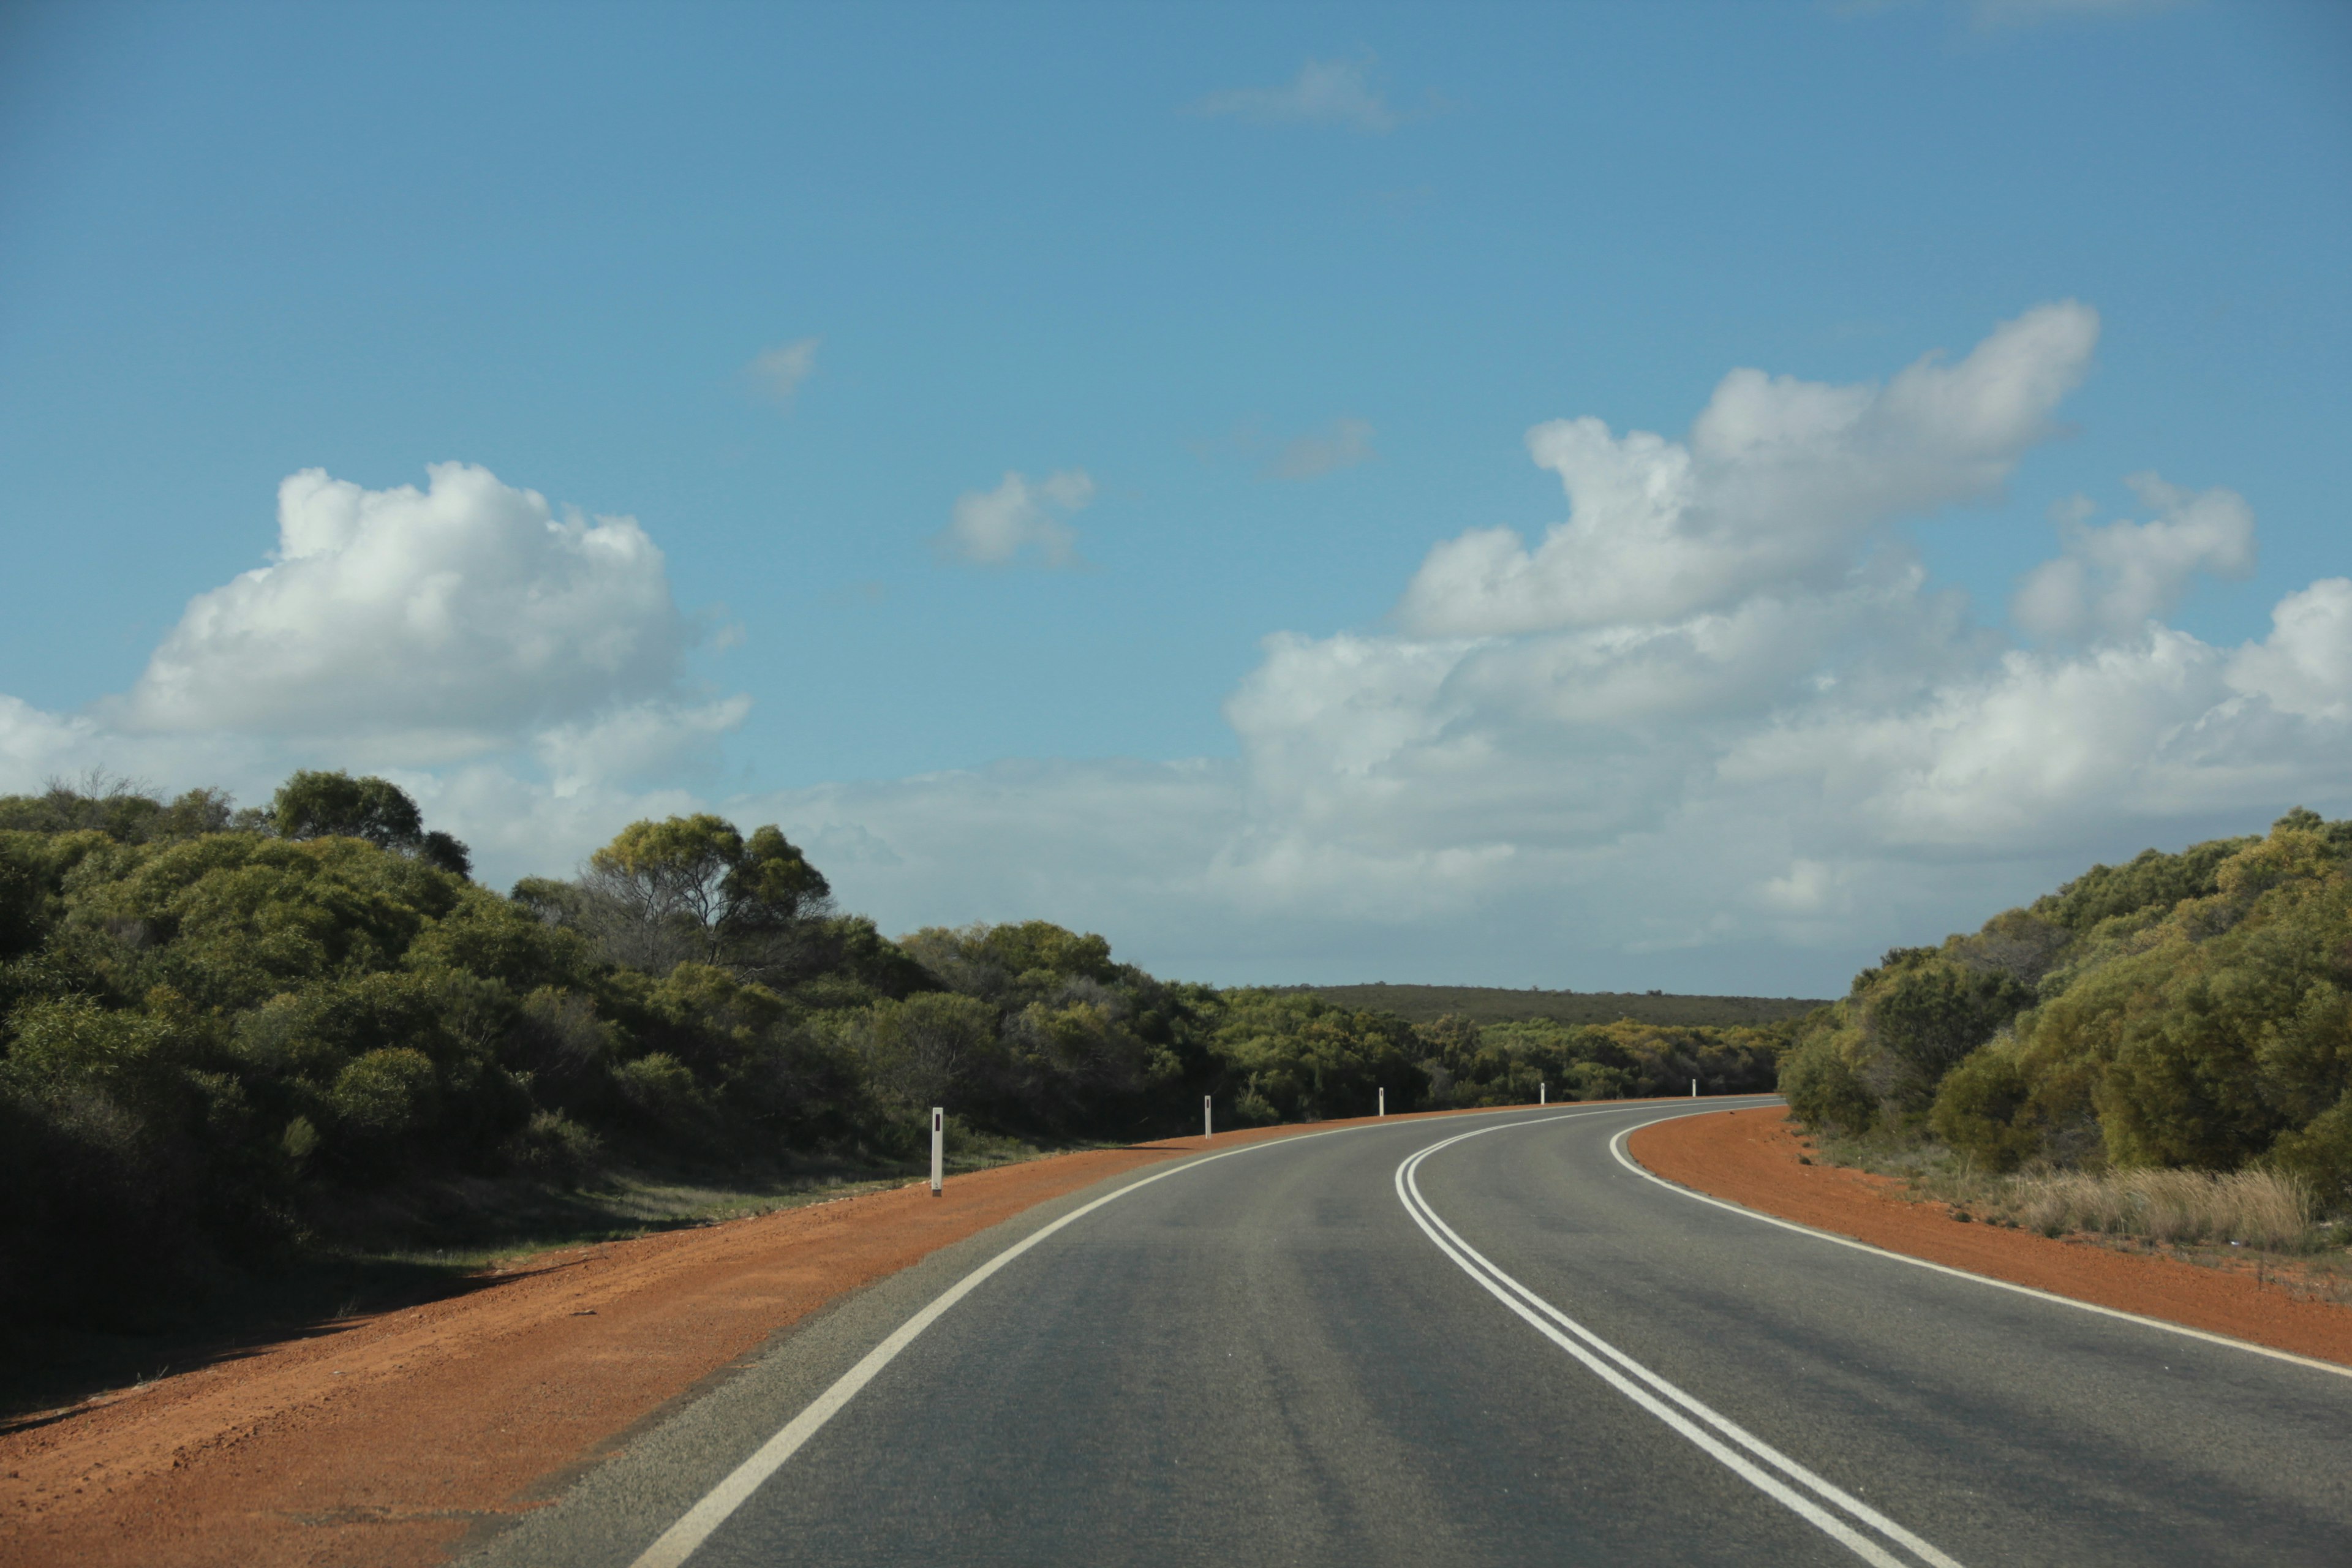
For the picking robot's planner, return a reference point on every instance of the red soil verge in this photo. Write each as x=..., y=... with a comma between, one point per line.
x=398, y=1438
x=1751, y=1157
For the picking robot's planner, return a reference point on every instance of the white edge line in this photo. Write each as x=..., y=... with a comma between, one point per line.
x=681, y=1539
x=1617, y=1147
x=1821, y=1484
x=1425, y=1214
x=1705, y=1442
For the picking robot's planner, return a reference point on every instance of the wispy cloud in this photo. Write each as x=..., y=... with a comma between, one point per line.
x=1325, y=92
x=1987, y=15
x=776, y=373
x=994, y=527
x=2033, y=13
x=1343, y=444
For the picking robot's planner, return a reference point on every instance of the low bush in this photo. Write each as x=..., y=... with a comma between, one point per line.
x=1823, y=1089
x=554, y=1146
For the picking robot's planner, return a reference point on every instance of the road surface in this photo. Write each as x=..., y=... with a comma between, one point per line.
x=1472, y=1339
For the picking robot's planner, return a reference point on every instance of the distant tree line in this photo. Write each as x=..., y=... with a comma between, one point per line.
x=222, y=1028
x=1485, y=1005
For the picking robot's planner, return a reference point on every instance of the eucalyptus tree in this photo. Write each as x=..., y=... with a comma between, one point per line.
x=693, y=888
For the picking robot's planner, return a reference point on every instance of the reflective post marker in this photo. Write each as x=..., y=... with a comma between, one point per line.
x=1693, y=1088
x=939, y=1145
x=1205, y=1128
x=1540, y=1088
x=1384, y=1101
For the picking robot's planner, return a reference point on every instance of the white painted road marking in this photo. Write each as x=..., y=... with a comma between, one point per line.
x=1598, y=1354
x=1617, y=1147
x=680, y=1541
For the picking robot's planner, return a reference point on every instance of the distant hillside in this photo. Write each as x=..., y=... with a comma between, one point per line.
x=1494, y=1005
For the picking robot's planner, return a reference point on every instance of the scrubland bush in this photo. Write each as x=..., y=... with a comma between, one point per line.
x=1468, y=1064
x=1822, y=1087
x=659, y=1087
x=2319, y=1155
x=220, y=1029
x=553, y=1145
x=1977, y=1111
x=385, y=1094
x=1292, y=1057
x=2177, y=1020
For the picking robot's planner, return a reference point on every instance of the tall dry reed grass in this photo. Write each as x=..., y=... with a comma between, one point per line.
x=2260, y=1208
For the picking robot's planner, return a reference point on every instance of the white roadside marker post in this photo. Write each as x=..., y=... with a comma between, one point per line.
x=1206, y=1129
x=1384, y=1101
x=938, y=1146
x=1693, y=1088
x=1541, y=1089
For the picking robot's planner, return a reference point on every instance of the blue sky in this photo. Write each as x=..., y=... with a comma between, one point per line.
x=1280, y=293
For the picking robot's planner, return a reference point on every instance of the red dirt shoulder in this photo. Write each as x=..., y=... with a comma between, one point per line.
x=1755, y=1158
x=394, y=1439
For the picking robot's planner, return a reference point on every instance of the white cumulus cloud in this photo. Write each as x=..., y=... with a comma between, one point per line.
x=1019, y=519
x=642, y=743
x=2112, y=581
x=2304, y=665
x=485, y=651
x=455, y=617
x=1778, y=481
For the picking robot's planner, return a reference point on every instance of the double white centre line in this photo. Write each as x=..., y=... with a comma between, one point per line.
x=1863, y=1530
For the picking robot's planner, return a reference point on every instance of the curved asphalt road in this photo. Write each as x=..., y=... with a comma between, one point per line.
x=1512, y=1349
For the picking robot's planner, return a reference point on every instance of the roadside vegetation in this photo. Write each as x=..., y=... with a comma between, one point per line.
x=2159, y=1051
x=238, y=1044
x=1497, y=1005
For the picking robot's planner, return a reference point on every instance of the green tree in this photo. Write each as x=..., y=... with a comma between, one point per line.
x=695, y=888
x=2151, y=879
x=1292, y=1057
x=99, y=802
x=1926, y=1011
x=933, y=1047
x=313, y=805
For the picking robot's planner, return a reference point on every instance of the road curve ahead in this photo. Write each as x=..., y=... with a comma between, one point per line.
x=1474, y=1339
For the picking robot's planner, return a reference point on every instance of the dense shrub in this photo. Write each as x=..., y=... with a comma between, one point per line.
x=1504, y=1064
x=2196, y=1013
x=2151, y=880
x=1924, y=1010
x=1822, y=1087
x=1978, y=1111
x=1290, y=1057
x=220, y=1031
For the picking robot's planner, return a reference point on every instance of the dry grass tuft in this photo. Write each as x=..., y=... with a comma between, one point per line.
x=2258, y=1208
